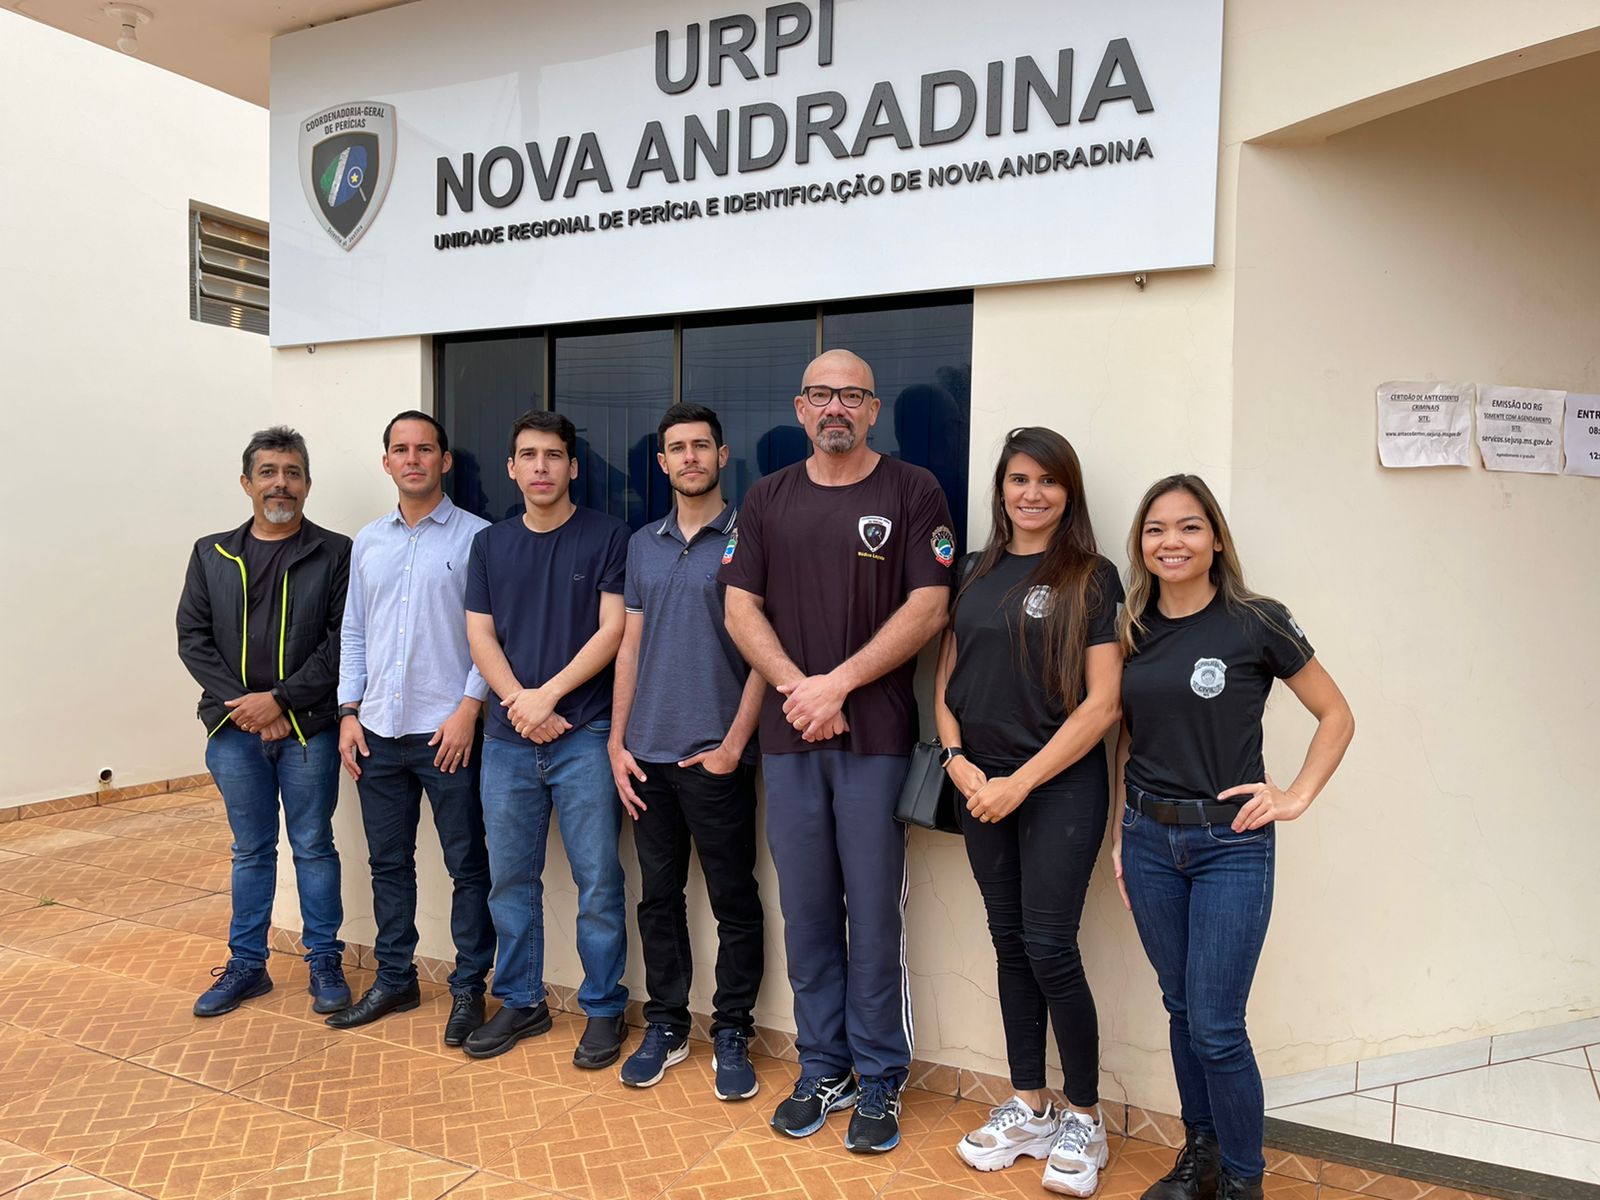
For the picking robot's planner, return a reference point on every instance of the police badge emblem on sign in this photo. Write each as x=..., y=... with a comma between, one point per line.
x=1209, y=678
x=346, y=162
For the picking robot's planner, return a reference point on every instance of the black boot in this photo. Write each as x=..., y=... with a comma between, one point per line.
x=1193, y=1176
x=1231, y=1187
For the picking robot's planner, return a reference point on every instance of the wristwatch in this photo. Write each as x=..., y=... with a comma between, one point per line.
x=949, y=754
x=349, y=710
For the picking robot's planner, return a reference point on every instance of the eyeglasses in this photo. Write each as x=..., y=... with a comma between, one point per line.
x=819, y=396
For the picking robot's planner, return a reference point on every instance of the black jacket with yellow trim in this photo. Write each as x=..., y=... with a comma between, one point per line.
x=211, y=625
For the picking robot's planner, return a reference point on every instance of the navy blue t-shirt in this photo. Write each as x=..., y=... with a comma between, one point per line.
x=543, y=591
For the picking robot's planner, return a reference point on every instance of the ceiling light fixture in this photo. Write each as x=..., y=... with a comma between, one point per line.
x=130, y=17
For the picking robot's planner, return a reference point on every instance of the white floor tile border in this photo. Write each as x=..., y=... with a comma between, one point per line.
x=1412, y=1065
x=1531, y=1042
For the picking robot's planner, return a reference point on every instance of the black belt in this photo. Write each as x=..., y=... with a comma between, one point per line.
x=1180, y=812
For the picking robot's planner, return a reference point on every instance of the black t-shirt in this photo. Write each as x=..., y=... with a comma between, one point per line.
x=543, y=591
x=997, y=689
x=832, y=565
x=1194, y=691
x=263, y=567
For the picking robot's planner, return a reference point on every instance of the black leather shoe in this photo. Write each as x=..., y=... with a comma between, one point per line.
x=1193, y=1176
x=466, y=1015
x=506, y=1028
x=378, y=1002
x=1231, y=1187
x=601, y=1043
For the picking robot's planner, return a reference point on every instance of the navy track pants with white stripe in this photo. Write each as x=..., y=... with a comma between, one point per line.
x=841, y=859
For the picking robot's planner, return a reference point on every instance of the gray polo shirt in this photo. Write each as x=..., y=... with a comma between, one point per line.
x=691, y=675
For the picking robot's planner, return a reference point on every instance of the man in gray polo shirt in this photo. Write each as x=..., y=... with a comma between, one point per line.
x=683, y=713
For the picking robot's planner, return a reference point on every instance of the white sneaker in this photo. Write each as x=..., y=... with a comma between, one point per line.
x=1076, y=1158
x=1011, y=1131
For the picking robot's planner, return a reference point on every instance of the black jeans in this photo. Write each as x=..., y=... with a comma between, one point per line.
x=719, y=813
x=392, y=781
x=1033, y=869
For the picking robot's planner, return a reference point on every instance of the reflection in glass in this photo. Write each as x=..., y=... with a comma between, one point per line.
x=484, y=385
x=615, y=381
x=748, y=374
x=921, y=357
x=614, y=387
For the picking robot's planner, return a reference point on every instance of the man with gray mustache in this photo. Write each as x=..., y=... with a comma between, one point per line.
x=837, y=574
x=258, y=628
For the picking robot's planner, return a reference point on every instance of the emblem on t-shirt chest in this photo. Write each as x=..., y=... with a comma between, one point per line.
x=1039, y=601
x=874, y=532
x=1209, y=678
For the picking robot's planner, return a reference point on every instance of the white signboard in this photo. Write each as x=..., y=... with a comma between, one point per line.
x=1581, y=434
x=1424, y=424
x=1519, y=429
x=472, y=164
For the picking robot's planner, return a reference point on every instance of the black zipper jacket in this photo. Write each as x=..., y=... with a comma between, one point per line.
x=213, y=611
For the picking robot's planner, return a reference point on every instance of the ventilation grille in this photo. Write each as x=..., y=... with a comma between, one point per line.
x=229, y=270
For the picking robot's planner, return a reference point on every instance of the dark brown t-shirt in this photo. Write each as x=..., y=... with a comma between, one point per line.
x=832, y=565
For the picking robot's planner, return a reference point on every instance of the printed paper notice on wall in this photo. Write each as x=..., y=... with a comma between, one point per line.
x=1424, y=424
x=1582, y=434
x=1518, y=428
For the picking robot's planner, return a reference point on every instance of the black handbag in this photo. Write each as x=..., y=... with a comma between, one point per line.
x=928, y=797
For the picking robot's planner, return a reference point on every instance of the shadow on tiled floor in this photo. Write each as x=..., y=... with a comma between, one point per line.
x=110, y=919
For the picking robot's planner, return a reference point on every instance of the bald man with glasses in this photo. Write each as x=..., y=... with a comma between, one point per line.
x=837, y=574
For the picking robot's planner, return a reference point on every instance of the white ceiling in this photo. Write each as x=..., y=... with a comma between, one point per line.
x=225, y=44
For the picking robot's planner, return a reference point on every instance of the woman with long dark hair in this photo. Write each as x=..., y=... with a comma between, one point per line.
x=1028, y=684
x=1193, y=851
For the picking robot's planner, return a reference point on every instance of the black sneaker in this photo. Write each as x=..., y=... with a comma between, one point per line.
x=601, y=1043
x=506, y=1028
x=813, y=1098
x=875, y=1125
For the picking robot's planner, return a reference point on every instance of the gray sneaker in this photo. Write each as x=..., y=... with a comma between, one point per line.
x=1011, y=1131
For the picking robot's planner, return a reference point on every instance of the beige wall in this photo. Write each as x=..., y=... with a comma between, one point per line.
x=128, y=417
x=1446, y=888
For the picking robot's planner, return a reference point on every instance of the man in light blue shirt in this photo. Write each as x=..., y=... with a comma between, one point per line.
x=409, y=706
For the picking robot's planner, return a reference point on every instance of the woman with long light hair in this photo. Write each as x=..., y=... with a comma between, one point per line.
x=1193, y=850
x=1027, y=686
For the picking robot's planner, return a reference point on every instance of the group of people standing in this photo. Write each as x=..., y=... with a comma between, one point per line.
x=557, y=663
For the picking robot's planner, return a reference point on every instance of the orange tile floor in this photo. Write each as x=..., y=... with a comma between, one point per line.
x=110, y=919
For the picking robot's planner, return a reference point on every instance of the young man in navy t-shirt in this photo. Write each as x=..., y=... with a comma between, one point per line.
x=544, y=619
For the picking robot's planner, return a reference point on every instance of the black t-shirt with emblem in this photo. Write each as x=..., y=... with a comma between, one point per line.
x=997, y=689
x=1194, y=691
x=832, y=564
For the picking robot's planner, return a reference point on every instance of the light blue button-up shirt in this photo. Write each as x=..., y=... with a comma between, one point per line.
x=403, y=650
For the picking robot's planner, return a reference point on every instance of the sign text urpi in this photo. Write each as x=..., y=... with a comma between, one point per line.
x=760, y=135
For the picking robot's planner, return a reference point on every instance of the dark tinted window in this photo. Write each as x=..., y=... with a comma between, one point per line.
x=484, y=385
x=614, y=382
x=614, y=387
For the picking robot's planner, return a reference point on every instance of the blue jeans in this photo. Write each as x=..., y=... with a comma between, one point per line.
x=521, y=784
x=392, y=780
x=1202, y=896
x=252, y=775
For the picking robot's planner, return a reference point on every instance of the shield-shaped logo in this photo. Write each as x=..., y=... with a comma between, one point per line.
x=346, y=162
x=1210, y=676
x=874, y=532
